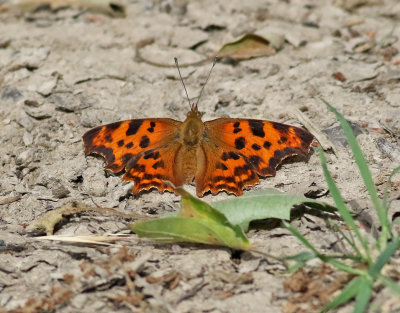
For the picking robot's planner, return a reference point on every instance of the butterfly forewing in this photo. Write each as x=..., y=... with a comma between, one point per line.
x=134, y=145
x=243, y=147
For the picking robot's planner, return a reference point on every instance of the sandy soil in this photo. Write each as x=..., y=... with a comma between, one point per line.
x=65, y=71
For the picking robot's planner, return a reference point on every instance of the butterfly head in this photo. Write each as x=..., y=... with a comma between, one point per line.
x=194, y=112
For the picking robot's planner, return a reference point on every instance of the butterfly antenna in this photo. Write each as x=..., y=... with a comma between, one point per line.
x=208, y=77
x=184, y=87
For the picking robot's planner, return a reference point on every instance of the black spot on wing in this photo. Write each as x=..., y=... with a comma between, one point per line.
x=240, y=143
x=230, y=155
x=134, y=126
x=282, y=140
x=305, y=137
x=228, y=179
x=240, y=170
x=236, y=128
x=129, y=145
x=257, y=128
x=267, y=144
x=108, y=138
x=256, y=147
x=279, y=155
x=112, y=126
x=144, y=142
x=151, y=155
x=158, y=164
x=120, y=143
x=283, y=128
x=255, y=161
x=146, y=186
x=221, y=166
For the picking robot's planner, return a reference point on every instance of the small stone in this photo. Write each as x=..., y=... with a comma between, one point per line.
x=47, y=87
x=27, y=138
x=24, y=158
x=337, y=136
x=11, y=93
x=60, y=192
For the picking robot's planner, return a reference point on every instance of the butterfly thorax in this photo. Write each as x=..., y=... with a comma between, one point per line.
x=192, y=128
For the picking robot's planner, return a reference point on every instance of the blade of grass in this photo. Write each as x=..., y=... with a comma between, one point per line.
x=349, y=239
x=363, y=295
x=384, y=257
x=350, y=291
x=365, y=173
x=323, y=257
x=301, y=258
x=392, y=285
x=341, y=206
x=387, y=188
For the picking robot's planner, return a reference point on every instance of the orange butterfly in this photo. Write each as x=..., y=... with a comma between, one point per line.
x=223, y=154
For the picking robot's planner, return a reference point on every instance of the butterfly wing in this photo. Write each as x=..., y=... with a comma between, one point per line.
x=236, y=151
x=143, y=147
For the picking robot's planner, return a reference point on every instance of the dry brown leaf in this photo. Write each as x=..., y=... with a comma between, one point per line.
x=247, y=47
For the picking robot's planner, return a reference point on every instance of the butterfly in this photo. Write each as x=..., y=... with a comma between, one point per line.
x=222, y=154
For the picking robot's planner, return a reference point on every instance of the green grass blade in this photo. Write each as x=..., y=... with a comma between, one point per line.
x=302, y=239
x=392, y=285
x=363, y=296
x=350, y=291
x=301, y=259
x=384, y=257
x=365, y=172
x=341, y=206
x=323, y=257
x=387, y=188
x=349, y=239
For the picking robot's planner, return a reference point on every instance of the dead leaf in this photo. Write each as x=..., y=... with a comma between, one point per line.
x=247, y=47
x=109, y=7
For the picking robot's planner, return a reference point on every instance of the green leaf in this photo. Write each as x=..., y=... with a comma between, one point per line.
x=191, y=229
x=363, y=295
x=365, y=172
x=196, y=222
x=349, y=292
x=261, y=204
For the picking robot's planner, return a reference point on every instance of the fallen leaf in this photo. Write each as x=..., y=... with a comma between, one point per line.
x=247, y=47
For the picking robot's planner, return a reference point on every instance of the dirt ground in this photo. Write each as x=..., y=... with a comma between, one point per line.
x=66, y=70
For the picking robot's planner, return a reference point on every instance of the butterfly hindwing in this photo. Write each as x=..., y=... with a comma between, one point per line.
x=152, y=168
x=221, y=168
